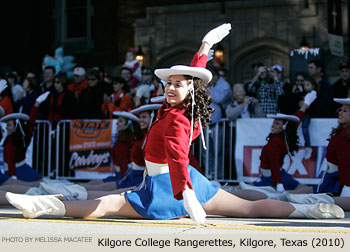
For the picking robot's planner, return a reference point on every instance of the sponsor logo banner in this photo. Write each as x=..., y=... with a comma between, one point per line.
x=90, y=145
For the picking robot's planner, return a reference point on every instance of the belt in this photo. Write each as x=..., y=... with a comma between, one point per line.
x=17, y=164
x=154, y=169
x=136, y=167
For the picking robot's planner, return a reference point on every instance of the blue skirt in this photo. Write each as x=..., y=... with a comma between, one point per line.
x=155, y=200
x=114, y=178
x=27, y=173
x=132, y=178
x=3, y=178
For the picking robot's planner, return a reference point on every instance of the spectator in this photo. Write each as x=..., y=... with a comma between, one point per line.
x=144, y=89
x=17, y=90
x=91, y=98
x=61, y=101
x=119, y=100
x=243, y=106
x=309, y=85
x=30, y=87
x=321, y=108
x=48, y=76
x=290, y=102
x=135, y=68
x=220, y=92
x=266, y=87
x=341, y=86
x=79, y=82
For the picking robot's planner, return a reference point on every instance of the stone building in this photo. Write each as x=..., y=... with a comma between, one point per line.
x=263, y=31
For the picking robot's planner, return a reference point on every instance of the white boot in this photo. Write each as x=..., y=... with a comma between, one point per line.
x=317, y=211
x=309, y=198
x=35, y=206
x=70, y=192
x=269, y=191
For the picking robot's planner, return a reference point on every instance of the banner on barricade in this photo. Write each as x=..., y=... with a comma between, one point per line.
x=90, y=145
x=251, y=136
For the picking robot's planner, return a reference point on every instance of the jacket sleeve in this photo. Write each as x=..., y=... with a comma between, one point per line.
x=233, y=112
x=199, y=61
x=176, y=147
x=30, y=124
x=121, y=156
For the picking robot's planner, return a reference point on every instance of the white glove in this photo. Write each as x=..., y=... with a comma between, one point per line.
x=143, y=91
x=280, y=188
x=210, y=55
x=42, y=97
x=193, y=207
x=3, y=85
x=310, y=97
x=216, y=35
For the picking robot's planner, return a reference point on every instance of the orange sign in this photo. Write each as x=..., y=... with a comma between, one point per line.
x=90, y=145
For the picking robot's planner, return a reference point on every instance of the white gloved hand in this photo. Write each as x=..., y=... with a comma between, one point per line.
x=3, y=85
x=143, y=91
x=210, y=55
x=217, y=34
x=193, y=207
x=310, y=97
x=42, y=97
x=280, y=188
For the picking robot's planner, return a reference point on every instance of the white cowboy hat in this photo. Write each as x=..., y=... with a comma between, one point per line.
x=126, y=115
x=284, y=117
x=199, y=72
x=2, y=111
x=345, y=101
x=146, y=107
x=156, y=99
x=14, y=116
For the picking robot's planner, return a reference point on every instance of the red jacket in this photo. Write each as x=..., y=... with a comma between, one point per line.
x=338, y=153
x=121, y=154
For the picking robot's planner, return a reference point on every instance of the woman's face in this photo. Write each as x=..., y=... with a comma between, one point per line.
x=10, y=127
x=344, y=114
x=145, y=119
x=121, y=123
x=92, y=81
x=176, y=89
x=308, y=86
x=117, y=87
x=25, y=85
x=239, y=93
x=58, y=86
x=277, y=126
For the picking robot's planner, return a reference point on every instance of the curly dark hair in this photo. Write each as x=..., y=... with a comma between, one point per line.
x=292, y=137
x=128, y=133
x=336, y=131
x=202, y=99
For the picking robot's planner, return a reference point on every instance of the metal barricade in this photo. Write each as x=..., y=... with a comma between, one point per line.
x=62, y=143
x=42, y=148
x=218, y=160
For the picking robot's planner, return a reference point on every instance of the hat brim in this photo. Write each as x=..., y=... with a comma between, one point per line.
x=204, y=74
x=147, y=107
x=345, y=101
x=292, y=118
x=126, y=115
x=14, y=116
x=160, y=98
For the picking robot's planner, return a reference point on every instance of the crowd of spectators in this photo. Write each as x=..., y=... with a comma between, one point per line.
x=95, y=94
